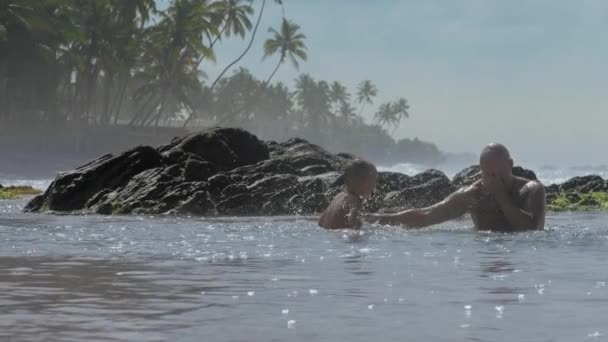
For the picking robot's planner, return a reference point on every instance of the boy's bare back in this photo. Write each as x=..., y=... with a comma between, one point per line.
x=342, y=212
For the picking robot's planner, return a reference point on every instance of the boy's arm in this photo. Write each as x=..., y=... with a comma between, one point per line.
x=322, y=220
x=452, y=207
x=353, y=209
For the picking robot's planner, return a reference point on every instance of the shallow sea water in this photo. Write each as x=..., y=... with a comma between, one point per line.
x=96, y=278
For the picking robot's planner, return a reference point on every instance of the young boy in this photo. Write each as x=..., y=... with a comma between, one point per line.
x=360, y=179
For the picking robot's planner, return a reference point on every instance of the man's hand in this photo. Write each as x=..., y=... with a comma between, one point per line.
x=495, y=186
x=353, y=218
x=531, y=216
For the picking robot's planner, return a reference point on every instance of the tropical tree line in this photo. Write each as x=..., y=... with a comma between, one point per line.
x=323, y=112
x=83, y=63
x=105, y=62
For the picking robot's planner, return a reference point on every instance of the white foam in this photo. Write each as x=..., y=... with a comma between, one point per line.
x=499, y=311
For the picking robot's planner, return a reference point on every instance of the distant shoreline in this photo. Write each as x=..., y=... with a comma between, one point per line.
x=42, y=152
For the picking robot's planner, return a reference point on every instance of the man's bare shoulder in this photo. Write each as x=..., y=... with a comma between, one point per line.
x=527, y=186
x=535, y=184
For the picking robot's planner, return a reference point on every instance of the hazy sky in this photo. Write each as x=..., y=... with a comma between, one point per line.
x=530, y=74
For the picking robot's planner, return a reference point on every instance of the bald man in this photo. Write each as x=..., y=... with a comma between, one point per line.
x=498, y=201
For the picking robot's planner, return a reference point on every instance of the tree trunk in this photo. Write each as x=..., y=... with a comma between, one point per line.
x=219, y=35
x=272, y=74
x=106, y=111
x=159, y=114
x=121, y=96
x=3, y=98
x=361, y=110
x=143, y=114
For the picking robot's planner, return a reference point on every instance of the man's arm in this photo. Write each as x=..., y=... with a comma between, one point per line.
x=532, y=215
x=452, y=207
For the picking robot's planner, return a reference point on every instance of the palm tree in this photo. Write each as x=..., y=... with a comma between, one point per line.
x=233, y=17
x=401, y=107
x=275, y=103
x=289, y=43
x=15, y=36
x=238, y=59
x=347, y=112
x=255, y=30
x=135, y=12
x=304, y=92
x=234, y=96
x=14, y=12
x=272, y=110
x=365, y=93
x=94, y=53
x=338, y=95
x=131, y=17
x=313, y=99
x=386, y=115
x=172, y=49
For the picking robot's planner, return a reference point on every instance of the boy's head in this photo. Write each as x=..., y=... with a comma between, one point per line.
x=360, y=177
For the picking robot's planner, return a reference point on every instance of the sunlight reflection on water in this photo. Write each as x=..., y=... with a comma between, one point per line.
x=118, y=278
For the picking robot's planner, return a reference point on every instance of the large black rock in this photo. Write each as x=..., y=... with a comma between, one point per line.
x=584, y=184
x=226, y=148
x=70, y=191
x=170, y=179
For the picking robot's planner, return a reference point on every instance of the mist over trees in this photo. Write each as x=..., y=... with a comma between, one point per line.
x=78, y=65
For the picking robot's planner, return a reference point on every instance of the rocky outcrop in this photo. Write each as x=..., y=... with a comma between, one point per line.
x=579, y=193
x=227, y=171
x=584, y=184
